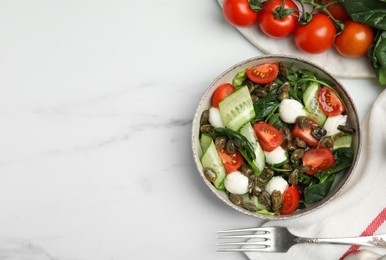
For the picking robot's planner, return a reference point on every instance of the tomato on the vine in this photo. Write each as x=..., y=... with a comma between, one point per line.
x=329, y=102
x=319, y=159
x=291, y=199
x=231, y=162
x=269, y=136
x=239, y=13
x=355, y=40
x=222, y=92
x=337, y=11
x=264, y=73
x=278, y=23
x=317, y=36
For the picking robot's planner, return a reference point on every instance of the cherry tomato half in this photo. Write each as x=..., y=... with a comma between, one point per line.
x=222, y=92
x=305, y=134
x=269, y=136
x=317, y=36
x=355, y=40
x=263, y=74
x=291, y=199
x=319, y=159
x=329, y=102
x=277, y=27
x=239, y=13
x=231, y=162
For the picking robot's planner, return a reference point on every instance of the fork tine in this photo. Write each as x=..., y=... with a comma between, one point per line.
x=260, y=237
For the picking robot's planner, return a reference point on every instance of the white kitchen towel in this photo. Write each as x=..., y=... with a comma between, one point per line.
x=357, y=211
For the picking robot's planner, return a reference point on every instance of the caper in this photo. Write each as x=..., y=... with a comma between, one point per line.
x=210, y=175
x=283, y=88
x=247, y=170
x=265, y=199
x=283, y=95
x=250, y=206
x=260, y=93
x=283, y=69
x=297, y=154
x=250, y=86
x=318, y=132
x=304, y=168
x=238, y=143
x=293, y=177
x=207, y=128
x=303, y=122
x=288, y=145
x=270, y=86
x=286, y=167
x=286, y=132
x=346, y=129
x=254, y=98
x=236, y=199
x=300, y=143
x=276, y=200
x=267, y=173
x=256, y=189
x=204, y=117
x=230, y=147
x=327, y=141
x=220, y=142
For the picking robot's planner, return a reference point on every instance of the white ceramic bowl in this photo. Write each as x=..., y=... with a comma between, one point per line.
x=226, y=77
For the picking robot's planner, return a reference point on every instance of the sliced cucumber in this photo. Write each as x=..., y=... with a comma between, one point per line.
x=343, y=141
x=237, y=109
x=249, y=133
x=276, y=157
x=205, y=142
x=212, y=160
x=310, y=99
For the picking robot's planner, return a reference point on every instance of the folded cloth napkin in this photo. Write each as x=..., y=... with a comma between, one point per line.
x=359, y=210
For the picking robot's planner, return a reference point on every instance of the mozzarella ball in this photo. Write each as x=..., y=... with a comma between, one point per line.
x=215, y=117
x=236, y=183
x=276, y=156
x=332, y=123
x=276, y=183
x=290, y=109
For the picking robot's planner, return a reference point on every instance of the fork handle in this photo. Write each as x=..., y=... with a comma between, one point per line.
x=372, y=241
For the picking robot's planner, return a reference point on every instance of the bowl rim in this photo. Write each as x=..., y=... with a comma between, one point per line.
x=349, y=172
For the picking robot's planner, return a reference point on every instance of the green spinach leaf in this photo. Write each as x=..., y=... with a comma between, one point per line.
x=377, y=55
x=370, y=12
x=319, y=191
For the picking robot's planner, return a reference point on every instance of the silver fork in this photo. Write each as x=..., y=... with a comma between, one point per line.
x=280, y=239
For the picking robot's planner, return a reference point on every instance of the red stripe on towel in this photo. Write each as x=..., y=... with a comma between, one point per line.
x=370, y=230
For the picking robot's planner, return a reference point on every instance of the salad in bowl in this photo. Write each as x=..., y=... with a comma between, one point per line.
x=275, y=137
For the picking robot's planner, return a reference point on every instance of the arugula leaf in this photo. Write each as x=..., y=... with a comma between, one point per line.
x=240, y=79
x=370, y=12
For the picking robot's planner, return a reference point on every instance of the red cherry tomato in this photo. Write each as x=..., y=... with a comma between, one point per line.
x=337, y=11
x=277, y=27
x=355, y=40
x=291, y=199
x=269, y=136
x=231, y=162
x=319, y=159
x=317, y=36
x=329, y=102
x=239, y=13
x=263, y=74
x=305, y=134
x=222, y=92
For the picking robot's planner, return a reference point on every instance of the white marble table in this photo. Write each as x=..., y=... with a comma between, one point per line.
x=96, y=104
